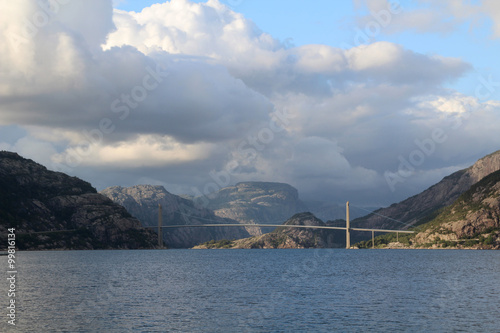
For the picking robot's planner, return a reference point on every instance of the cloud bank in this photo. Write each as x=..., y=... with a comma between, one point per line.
x=194, y=94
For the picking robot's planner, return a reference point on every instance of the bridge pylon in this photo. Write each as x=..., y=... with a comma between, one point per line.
x=348, y=227
x=160, y=222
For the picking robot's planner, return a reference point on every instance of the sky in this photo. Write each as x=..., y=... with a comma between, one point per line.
x=366, y=101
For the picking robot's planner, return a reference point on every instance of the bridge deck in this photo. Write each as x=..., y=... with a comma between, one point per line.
x=279, y=225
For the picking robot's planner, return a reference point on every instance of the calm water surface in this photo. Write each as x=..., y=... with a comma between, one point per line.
x=255, y=291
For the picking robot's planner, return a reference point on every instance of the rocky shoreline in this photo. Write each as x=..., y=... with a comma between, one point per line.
x=401, y=246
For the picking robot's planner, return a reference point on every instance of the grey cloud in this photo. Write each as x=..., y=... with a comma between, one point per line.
x=187, y=99
x=212, y=80
x=427, y=16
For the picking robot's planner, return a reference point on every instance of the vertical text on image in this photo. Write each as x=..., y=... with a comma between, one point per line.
x=11, y=276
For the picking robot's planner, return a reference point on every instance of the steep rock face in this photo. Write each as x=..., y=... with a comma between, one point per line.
x=475, y=216
x=34, y=200
x=142, y=202
x=485, y=166
x=424, y=206
x=257, y=202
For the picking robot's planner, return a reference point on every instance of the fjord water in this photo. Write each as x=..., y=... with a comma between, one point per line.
x=256, y=291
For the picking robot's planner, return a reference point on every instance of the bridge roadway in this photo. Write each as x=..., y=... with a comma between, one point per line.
x=279, y=225
x=347, y=229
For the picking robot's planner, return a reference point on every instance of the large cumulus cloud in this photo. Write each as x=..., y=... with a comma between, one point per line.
x=58, y=78
x=184, y=91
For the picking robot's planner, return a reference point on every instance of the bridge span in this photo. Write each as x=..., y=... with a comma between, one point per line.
x=347, y=228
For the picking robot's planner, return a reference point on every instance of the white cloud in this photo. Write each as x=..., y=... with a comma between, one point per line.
x=33, y=148
x=213, y=31
x=319, y=59
x=178, y=87
x=66, y=82
x=144, y=151
x=449, y=105
x=205, y=29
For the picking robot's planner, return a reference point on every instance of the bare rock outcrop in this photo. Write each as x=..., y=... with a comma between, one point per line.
x=474, y=217
x=256, y=203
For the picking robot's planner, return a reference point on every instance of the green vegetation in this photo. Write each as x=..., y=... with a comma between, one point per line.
x=278, y=239
x=384, y=240
x=430, y=217
x=489, y=240
x=485, y=239
x=469, y=202
x=221, y=244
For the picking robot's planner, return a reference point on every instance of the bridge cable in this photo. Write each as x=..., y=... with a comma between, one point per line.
x=386, y=217
x=218, y=221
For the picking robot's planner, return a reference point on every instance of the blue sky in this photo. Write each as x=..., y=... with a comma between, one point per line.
x=372, y=101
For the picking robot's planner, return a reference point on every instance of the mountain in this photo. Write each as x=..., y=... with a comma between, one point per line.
x=472, y=221
x=142, y=202
x=256, y=202
x=51, y=210
x=425, y=206
x=287, y=238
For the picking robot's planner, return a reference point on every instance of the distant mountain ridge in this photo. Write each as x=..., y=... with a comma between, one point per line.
x=257, y=203
x=51, y=210
x=142, y=202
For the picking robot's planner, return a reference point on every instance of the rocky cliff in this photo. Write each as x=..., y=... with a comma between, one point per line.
x=472, y=221
x=142, y=202
x=288, y=238
x=257, y=202
x=51, y=210
x=424, y=206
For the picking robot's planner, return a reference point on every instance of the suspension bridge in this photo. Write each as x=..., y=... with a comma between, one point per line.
x=347, y=228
